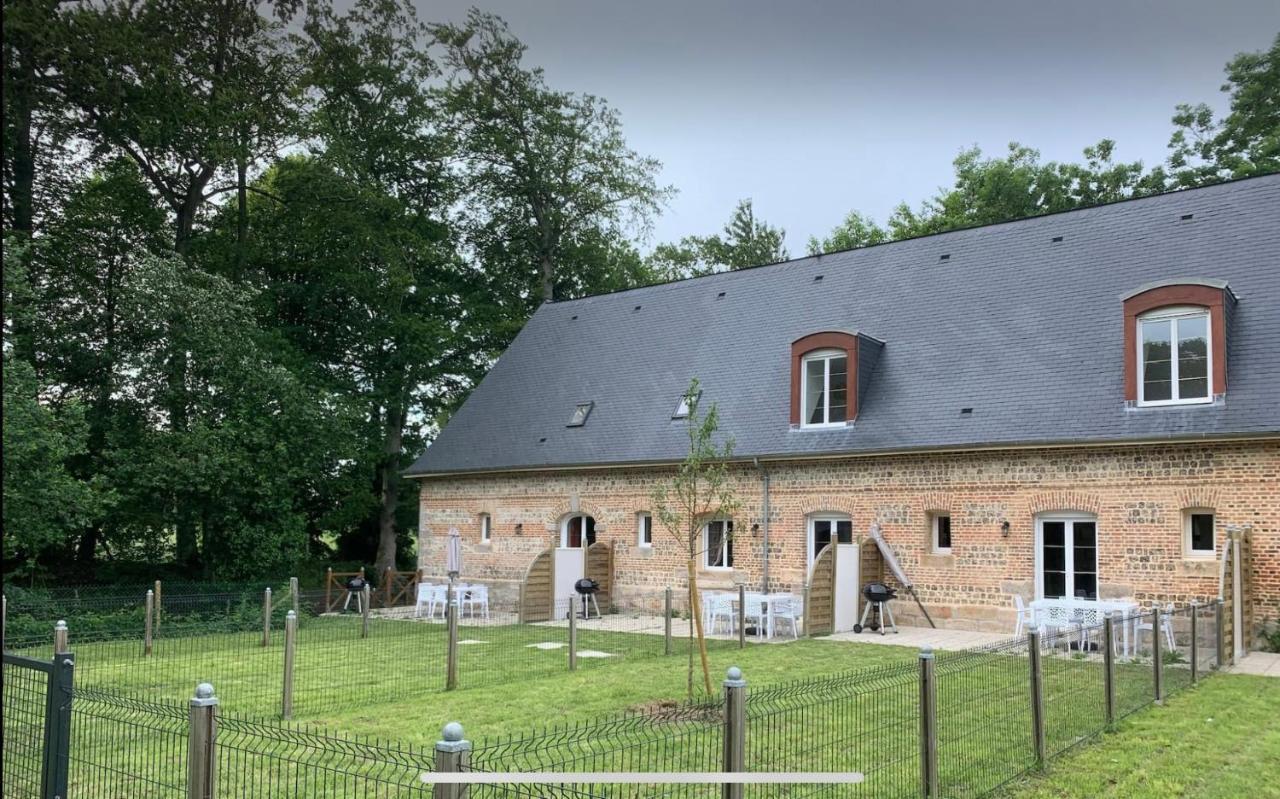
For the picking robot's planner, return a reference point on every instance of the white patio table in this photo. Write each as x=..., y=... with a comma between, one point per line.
x=766, y=603
x=1081, y=613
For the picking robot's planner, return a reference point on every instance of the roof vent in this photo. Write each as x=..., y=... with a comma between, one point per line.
x=1057, y=239
x=946, y=256
x=542, y=440
x=580, y=414
x=636, y=308
x=573, y=318
x=966, y=411
x=720, y=296
x=817, y=278
x=1187, y=217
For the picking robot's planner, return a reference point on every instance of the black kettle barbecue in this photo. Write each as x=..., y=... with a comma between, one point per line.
x=587, y=589
x=877, y=596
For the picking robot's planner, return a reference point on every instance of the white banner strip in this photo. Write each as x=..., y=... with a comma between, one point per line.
x=644, y=778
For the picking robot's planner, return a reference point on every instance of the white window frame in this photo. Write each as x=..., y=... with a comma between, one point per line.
x=726, y=545
x=564, y=530
x=1173, y=315
x=486, y=528
x=1068, y=540
x=825, y=516
x=825, y=355
x=640, y=520
x=1187, y=550
x=934, y=546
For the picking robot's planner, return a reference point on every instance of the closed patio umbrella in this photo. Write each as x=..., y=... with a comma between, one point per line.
x=453, y=554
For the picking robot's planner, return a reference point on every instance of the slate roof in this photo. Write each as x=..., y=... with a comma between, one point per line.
x=1024, y=330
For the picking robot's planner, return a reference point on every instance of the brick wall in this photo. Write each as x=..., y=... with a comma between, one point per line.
x=1138, y=494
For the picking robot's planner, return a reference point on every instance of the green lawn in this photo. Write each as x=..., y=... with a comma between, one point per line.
x=1218, y=741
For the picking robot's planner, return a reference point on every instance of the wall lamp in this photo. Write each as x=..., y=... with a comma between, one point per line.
x=519, y=528
x=755, y=529
x=1004, y=528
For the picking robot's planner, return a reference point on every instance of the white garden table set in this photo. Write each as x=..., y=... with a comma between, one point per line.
x=765, y=609
x=1064, y=613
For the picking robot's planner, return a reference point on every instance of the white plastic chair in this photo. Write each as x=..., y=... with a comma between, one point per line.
x=1026, y=616
x=788, y=610
x=717, y=607
x=1166, y=626
x=476, y=596
x=754, y=613
x=431, y=595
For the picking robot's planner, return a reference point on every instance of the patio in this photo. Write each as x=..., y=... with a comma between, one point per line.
x=920, y=637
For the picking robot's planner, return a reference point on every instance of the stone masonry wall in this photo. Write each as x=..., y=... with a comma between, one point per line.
x=1138, y=494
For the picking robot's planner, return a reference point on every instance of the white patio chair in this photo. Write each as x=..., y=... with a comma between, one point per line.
x=431, y=595
x=1026, y=616
x=1166, y=625
x=476, y=596
x=754, y=614
x=1053, y=620
x=716, y=608
x=788, y=610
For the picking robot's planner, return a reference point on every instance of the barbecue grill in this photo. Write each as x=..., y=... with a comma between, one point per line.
x=877, y=596
x=587, y=589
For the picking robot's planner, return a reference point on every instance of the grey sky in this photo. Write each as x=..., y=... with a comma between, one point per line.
x=813, y=108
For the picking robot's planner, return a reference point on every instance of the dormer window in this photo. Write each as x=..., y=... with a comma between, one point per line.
x=824, y=392
x=1175, y=342
x=1175, y=356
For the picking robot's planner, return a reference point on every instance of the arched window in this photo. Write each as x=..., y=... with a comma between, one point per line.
x=578, y=531
x=824, y=394
x=1175, y=341
x=826, y=529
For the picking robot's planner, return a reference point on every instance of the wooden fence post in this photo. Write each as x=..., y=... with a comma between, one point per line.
x=293, y=593
x=735, y=730
x=573, y=637
x=1157, y=656
x=365, y=597
x=266, y=617
x=805, y=611
x=451, y=648
x=742, y=615
x=147, y=623
x=666, y=622
x=1219, y=634
x=202, y=737
x=1037, y=697
x=928, y=724
x=290, y=643
x=328, y=589
x=452, y=753
x=1109, y=667
x=1195, y=643
x=4, y=620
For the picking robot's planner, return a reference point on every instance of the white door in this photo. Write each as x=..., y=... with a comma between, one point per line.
x=577, y=532
x=1066, y=556
x=846, y=588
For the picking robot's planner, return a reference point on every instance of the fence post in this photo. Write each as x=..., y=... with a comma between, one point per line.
x=202, y=737
x=61, y=645
x=147, y=623
x=928, y=724
x=1037, y=696
x=451, y=650
x=4, y=619
x=805, y=611
x=365, y=596
x=293, y=592
x=266, y=617
x=159, y=607
x=520, y=605
x=1109, y=667
x=1219, y=634
x=328, y=589
x=290, y=643
x=573, y=637
x=386, y=587
x=452, y=754
x=1195, y=643
x=666, y=623
x=735, y=730
x=1157, y=657
x=742, y=615
x=55, y=765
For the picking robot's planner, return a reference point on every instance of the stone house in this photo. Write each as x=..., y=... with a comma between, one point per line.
x=1081, y=404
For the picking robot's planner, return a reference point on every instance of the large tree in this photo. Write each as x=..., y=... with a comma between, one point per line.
x=745, y=241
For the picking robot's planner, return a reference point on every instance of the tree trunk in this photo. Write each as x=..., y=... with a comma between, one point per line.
x=242, y=214
x=21, y=99
x=548, y=270
x=697, y=623
x=389, y=489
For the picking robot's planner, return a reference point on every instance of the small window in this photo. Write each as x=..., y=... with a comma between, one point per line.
x=1199, y=537
x=719, y=544
x=686, y=404
x=824, y=387
x=578, y=532
x=941, y=527
x=1173, y=357
x=644, y=529
x=580, y=414
x=486, y=528
x=826, y=529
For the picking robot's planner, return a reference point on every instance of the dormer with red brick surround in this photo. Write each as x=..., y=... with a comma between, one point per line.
x=829, y=373
x=1175, y=342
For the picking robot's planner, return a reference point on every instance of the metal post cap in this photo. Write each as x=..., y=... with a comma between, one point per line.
x=291, y=615
x=60, y=625
x=150, y=592
x=926, y=652
x=733, y=678
x=204, y=690
x=452, y=732
x=451, y=739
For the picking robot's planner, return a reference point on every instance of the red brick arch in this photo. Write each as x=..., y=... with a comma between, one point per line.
x=826, y=340
x=1212, y=298
x=1063, y=501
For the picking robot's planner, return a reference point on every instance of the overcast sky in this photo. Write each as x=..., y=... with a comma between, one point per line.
x=813, y=108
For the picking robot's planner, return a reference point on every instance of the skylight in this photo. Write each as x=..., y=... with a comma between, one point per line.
x=580, y=414
x=687, y=401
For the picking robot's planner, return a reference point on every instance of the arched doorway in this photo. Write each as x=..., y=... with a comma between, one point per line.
x=577, y=533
